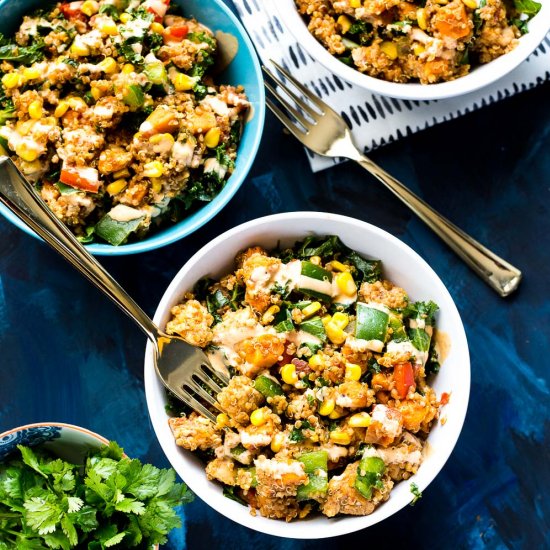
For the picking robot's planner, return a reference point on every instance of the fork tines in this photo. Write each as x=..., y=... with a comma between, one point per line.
x=305, y=115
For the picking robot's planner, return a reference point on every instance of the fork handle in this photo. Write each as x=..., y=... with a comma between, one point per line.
x=496, y=272
x=19, y=196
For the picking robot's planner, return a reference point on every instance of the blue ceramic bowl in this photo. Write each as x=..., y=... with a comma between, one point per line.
x=244, y=69
x=69, y=442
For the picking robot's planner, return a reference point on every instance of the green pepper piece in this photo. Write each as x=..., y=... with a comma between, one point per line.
x=316, y=282
x=369, y=475
x=134, y=96
x=399, y=333
x=371, y=323
x=156, y=73
x=115, y=232
x=316, y=467
x=267, y=387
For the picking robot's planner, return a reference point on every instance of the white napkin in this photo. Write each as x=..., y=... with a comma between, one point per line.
x=376, y=120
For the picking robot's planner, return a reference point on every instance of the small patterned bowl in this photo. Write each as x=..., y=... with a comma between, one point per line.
x=71, y=443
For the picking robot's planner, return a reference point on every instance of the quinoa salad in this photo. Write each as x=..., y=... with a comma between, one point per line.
x=110, y=108
x=424, y=41
x=329, y=402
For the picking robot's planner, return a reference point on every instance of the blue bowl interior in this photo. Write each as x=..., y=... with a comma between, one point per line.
x=244, y=69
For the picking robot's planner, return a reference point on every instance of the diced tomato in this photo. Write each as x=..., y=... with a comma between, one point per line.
x=445, y=398
x=403, y=376
x=179, y=30
x=286, y=359
x=71, y=10
x=157, y=7
x=86, y=179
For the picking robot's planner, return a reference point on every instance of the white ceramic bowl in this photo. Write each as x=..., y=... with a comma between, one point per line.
x=402, y=266
x=479, y=77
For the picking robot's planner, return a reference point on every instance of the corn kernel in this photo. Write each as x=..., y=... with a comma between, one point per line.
x=390, y=49
x=268, y=316
x=311, y=309
x=355, y=3
x=96, y=92
x=125, y=17
x=159, y=139
x=124, y=173
x=288, y=374
x=359, y=420
x=31, y=73
x=25, y=128
x=153, y=169
x=346, y=284
x=30, y=167
x=315, y=260
x=77, y=103
x=182, y=82
x=418, y=49
x=116, y=187
x=61, y=109
x=335, y=333
x=128, y=69
x=157, y=27
x=79, y=49
x=340, y=319
x=325, y=319
x=156, y=185
x=259, y=417
x=11, y=80
x=327, y=407
x=222, y=420
x=109, y=27
x=472, y=4
x=108, y=65
x=353, y=372
x=338, y=266
x=315, y=361
x=24, y=151
x=340, y=438
x=338, y=412
x=277, y=442
x=345, y=23
x=212, y=138
x=89, y=8
x=35, y=109
x=421, y=18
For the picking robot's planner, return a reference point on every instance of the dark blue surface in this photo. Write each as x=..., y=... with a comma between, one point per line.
x=67, y=354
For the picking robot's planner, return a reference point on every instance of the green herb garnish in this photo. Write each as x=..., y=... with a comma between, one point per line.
x=112, y=501
x=416, y=492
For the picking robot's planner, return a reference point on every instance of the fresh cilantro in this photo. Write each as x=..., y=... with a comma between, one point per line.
x=417, y=493
x=281, y=290
x=46, y=502
x=297, y=434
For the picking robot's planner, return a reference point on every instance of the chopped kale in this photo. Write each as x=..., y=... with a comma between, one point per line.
x=530, y=8
x=21, y=54
x=215, y=302
x=421, y=310
x=229, y=492
x=432, y=364
x=223, y=157
x=110, y=10
x=203, y=189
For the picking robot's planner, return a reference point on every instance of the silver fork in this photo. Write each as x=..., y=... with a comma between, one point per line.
x=184, y=369
x=325, y=132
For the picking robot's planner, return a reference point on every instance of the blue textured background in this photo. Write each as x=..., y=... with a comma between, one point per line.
x=67, y=354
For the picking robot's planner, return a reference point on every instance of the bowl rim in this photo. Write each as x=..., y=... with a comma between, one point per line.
x=209, y=210
x=336, y=526
x=80, y=429
x=478, y=78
